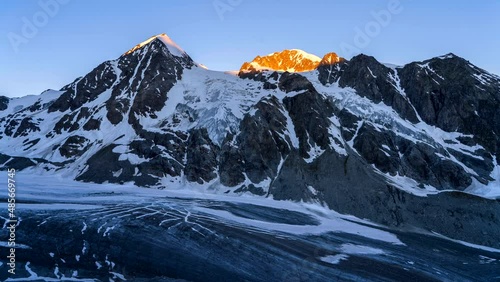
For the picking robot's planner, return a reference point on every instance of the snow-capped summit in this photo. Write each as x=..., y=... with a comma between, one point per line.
x=171, y=45
x=293, y=60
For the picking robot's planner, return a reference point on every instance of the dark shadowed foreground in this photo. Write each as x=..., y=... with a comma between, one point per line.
x=113, y=233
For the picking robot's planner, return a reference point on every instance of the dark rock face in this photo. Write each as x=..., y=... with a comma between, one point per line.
x=372, y=80
x=261, y=143
x=165, y=151
x=331, y=73
x=137, y=83
x=85, y=89
x=260, y=146
x=26, y=127
x=470, y=106
x=260, y=76
x=314, y=129
x=290, y=183
x=201, y=158
x=429, y=91
x=231, y=163
x=418, y=161
x=18, y=163
x=146, y=94
x=421, y=163
x=4, y=103
x=347, y=185
x=68, y=123
x=482, y=165
x=74, y=146
x=103, y=165
x=378, y=148
x=290, y=82
x=92, y=124
x=30, y=143
x=11, y=125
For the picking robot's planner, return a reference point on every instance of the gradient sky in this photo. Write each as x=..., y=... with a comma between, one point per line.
x=223, y=34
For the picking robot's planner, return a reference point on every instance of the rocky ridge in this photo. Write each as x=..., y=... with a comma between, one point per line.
x=293, y=60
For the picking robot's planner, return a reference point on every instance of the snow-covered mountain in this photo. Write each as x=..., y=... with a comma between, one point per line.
x=395, y=145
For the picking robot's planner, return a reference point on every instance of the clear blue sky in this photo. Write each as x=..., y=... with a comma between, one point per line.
x=222, y=34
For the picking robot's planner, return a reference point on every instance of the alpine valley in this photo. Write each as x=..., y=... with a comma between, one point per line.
x=294, y=168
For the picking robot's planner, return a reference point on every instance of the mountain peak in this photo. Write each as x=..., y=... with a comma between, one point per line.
x=331, y=59
x=290, y=60
x=165, y=39
x=448, y=56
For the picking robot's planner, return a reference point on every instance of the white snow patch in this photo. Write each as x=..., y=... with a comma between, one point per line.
x=374, y=76
x=84, y=227
x=490, y=190
x=360, y=250
x=17, y=246
x=334, y=259
x=330, y=224
x=471, y=245
x=118, y=275
x=84, y=248
x=56, y=272
x=108, y=229
x=397, y=82
x=291, y=131
x=31, y=272
x=312, y=190
x=118, y=172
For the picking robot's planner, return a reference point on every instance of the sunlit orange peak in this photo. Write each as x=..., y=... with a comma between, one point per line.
x=293, y=60
x=330, y=59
